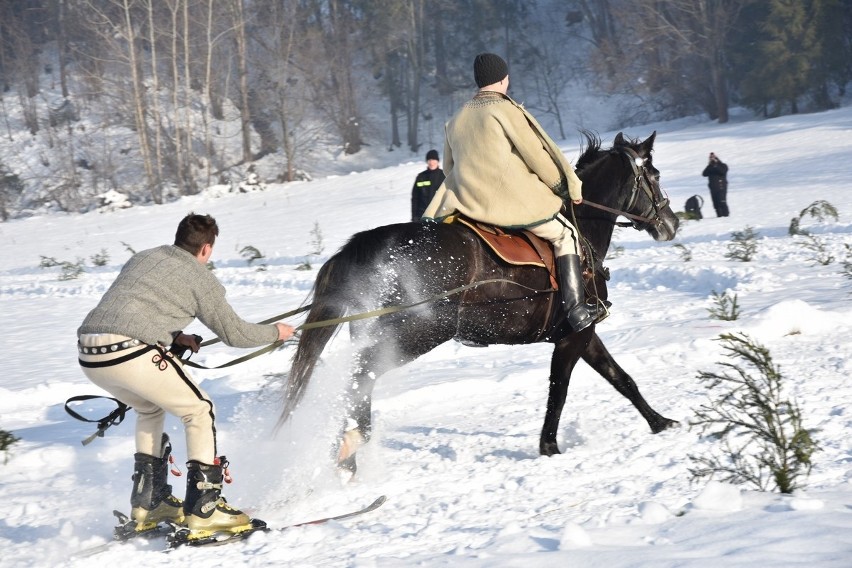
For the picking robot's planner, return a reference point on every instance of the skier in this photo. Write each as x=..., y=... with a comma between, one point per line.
x=127, y=346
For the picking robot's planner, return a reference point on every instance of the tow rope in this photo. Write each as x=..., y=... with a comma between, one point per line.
x=117, y=416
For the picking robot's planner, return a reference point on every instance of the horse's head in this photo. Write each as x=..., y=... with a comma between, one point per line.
x=625, y=181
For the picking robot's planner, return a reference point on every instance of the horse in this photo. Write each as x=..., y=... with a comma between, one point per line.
x=464, y=291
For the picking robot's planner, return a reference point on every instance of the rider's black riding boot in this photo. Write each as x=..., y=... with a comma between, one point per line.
x=152, y=500
x=580, y=314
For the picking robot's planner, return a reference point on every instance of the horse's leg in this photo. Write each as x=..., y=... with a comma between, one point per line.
x=371, y=363
x=599, y=359
x=357, y=427
x=566, y=353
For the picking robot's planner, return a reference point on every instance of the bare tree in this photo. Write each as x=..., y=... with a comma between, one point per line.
x=129, y=33
x=685, y=47
x=328, y=58
x=239, y=26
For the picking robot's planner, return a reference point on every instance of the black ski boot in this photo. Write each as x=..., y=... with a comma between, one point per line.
x=206, y=510
x=581, y=314
x=152, y=500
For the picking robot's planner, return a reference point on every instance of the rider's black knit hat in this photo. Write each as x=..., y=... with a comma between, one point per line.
x=432, y=155
x=489, y=68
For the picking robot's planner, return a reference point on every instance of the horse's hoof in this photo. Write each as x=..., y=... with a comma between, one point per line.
x=346, y=469
x=351, y=442
x=664, y=424
x=549, y=449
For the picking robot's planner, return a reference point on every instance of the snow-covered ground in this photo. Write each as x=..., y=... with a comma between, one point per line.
x=456, y=440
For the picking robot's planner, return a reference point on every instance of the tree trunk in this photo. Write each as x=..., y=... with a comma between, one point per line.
x=416, y=58
x=139, y=110
x=242, y=70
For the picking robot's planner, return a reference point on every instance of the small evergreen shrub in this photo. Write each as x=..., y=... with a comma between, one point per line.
x=251, y=254
x=846, y=265
x=743, y=245
x=818, y=248
x=7, y=440
x=760, y=432
x=317, y=247
x=725, y=308
x=685, y=253
x=100, y=259
x=820, y=210
x=69, y=270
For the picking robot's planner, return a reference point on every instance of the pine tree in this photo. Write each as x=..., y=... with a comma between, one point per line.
x=792, y=55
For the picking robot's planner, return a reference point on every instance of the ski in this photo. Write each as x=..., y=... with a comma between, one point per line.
x=177, y=536
x=183, y=537
x=126, y=531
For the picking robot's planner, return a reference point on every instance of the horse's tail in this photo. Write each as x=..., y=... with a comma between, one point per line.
x=328, y=303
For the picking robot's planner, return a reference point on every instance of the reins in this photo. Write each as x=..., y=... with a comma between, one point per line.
x=354, y=317
x=622, y=213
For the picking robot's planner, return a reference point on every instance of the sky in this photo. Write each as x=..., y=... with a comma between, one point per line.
x=455, y=448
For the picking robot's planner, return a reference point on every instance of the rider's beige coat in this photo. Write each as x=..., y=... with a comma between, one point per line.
x=502, y=168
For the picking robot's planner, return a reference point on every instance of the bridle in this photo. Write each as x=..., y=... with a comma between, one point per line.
x=641, y=182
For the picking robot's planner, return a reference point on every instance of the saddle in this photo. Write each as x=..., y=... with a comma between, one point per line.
x=519, y=247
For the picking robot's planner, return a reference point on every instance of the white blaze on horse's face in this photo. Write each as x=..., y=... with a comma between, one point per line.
x=639, y=161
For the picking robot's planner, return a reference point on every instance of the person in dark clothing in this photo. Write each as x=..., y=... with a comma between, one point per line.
x=427, y=183
x=717, y=174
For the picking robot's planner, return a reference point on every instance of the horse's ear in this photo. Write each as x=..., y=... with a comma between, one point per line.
x=648, y=144
x=619, y=139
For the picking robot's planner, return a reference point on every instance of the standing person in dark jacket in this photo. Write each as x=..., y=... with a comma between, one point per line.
x=127, y=346
x=717, y=174
x=427, y=183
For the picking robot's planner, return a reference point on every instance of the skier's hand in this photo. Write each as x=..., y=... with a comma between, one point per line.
x=193, y=342
x=285, y=331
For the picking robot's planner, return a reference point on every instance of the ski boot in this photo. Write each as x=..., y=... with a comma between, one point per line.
x=206, y=511
x=152, y=501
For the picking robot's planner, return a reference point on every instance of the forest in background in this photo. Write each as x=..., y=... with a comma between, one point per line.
x=155, y=99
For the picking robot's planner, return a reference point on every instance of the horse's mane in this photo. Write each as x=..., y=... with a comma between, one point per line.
x=593, y=152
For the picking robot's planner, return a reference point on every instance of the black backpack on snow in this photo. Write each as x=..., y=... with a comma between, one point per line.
x=693, y=207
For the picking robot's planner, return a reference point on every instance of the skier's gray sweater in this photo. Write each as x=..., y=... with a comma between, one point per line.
x=162, y=290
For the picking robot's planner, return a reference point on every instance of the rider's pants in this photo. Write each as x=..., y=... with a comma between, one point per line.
x=561, y=233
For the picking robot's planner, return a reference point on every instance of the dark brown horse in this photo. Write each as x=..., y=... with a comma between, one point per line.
x=407, y=263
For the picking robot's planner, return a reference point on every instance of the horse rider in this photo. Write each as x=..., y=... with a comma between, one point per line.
x=503, y=169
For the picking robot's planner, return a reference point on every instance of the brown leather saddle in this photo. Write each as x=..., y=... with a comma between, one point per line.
x=521, y=247
x=515, y=247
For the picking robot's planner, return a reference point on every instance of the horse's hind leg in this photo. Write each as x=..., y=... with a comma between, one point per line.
x=370, y=363
x=597, y=356
x=357, y=427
